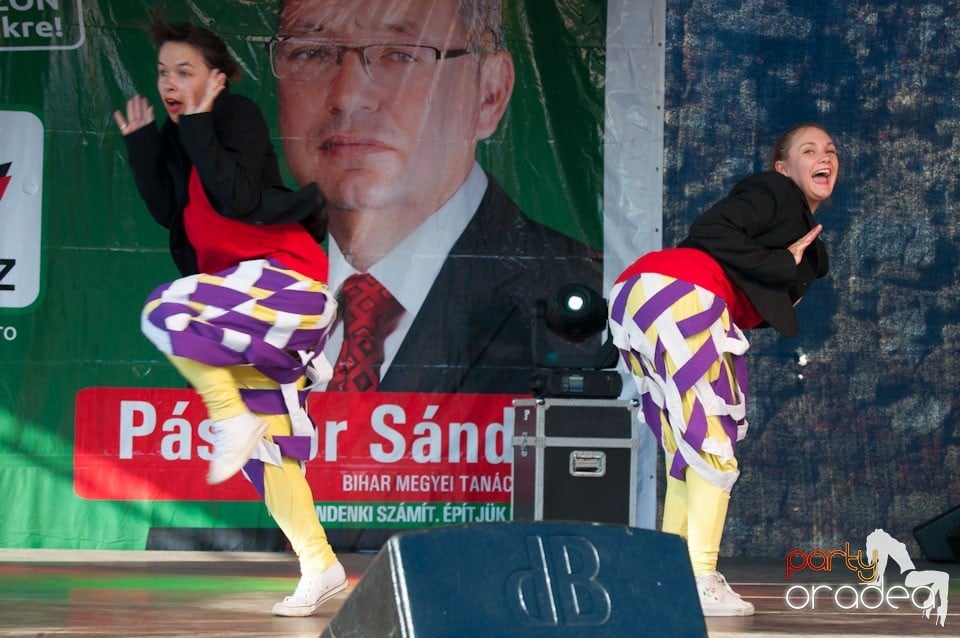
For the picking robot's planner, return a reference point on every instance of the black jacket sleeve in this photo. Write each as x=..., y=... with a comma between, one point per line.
x=152, y=161
x=749, y=233
x=740, y=231
x=231, y=149
x=228, y=146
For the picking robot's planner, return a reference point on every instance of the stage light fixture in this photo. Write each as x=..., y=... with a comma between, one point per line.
x=575, y=313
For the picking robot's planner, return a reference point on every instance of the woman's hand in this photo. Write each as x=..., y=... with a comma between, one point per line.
x=216, y=82
x=797, y=248
x=139, y=114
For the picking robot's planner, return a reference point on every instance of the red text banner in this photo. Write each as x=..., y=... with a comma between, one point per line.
x=155, y=444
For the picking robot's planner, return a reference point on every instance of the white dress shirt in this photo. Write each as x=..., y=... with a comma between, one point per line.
x=409, y=270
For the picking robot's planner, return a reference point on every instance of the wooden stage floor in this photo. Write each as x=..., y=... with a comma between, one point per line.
x=109, y=593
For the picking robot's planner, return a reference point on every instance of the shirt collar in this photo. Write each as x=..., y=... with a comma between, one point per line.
x=408, y=271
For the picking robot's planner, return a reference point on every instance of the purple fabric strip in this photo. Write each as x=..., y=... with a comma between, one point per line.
x=307, y=338
x=619, y=305
x=702, y=320
x=253, y=470
x=696, y=430
x=199, y=347
x=696, y=367
x=678, y=467
x=722, y=386
x=651, y=414
x=730, y=426
x=659, y=303
x=294, y=447
x=625, y=357
x=271, y=279
x=219, y=296
x=660, y=358
x=303, y=302
x=725, y=390
x=159, y=314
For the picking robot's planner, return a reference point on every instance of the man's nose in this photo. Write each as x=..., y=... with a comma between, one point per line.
x=351, y=87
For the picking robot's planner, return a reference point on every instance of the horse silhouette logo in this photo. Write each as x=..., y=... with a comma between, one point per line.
x=882, y=548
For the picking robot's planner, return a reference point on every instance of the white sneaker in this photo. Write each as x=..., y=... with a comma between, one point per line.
x=234, y=440
x=312, y=591
x=717, y=599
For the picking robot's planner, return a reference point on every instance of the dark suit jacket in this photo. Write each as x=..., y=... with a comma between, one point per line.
x=473, y=332
x=748, y=233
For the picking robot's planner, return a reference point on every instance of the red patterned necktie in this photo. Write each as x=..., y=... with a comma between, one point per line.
x=368, y=309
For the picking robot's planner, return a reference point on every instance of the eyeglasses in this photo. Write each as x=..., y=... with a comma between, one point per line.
x=305, y=60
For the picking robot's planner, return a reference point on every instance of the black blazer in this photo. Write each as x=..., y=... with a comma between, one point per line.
x=473, y=332
x=748, y=233
x=238, y=168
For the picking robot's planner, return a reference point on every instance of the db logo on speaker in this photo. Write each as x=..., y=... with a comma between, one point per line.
x=561, y=587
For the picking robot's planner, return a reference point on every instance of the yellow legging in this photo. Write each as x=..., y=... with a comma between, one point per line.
x=286, y=491
x=696, y=510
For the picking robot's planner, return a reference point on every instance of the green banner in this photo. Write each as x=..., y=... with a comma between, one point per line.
x=79, y=252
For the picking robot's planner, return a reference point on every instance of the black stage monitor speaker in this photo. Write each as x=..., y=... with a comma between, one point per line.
x=939, y=538
x=525, y=579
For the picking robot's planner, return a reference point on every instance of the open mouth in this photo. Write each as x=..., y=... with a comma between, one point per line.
x=172, y=105
x=822, y=175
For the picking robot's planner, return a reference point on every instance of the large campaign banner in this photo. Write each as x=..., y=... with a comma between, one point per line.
x=103, y=445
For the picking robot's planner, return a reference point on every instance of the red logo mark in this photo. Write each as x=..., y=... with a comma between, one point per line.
x=4, y=178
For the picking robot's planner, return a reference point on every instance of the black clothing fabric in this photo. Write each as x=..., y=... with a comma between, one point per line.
x=231, y=149
x=749, y=231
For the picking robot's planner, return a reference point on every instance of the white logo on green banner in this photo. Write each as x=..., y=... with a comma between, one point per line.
x=21, y=199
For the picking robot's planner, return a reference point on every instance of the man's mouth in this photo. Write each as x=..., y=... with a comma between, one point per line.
x=350, y=143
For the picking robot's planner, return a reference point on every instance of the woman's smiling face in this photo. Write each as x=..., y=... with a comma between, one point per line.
x=812, y=164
